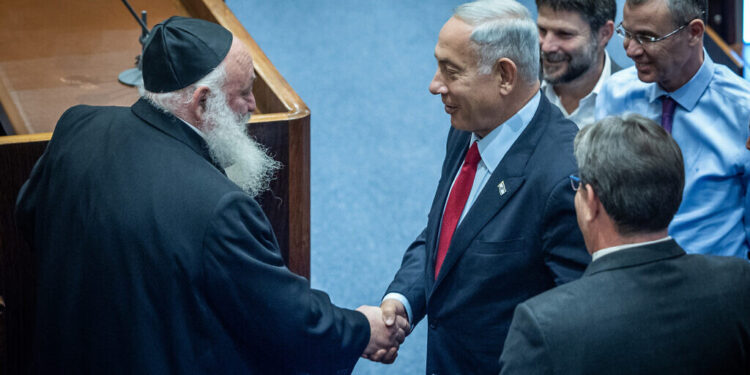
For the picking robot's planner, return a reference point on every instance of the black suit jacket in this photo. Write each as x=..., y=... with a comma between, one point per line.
x=509, y=247
x=646, y=310
x=151, y=261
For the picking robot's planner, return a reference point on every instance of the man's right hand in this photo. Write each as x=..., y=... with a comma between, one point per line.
x=392, y=308
x=384, y=340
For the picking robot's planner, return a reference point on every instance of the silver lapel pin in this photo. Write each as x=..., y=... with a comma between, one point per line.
x=501, y=188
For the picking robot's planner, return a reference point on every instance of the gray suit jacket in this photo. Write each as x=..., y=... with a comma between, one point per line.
x=647, y=310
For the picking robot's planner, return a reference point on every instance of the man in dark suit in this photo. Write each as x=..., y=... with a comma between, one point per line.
x=643, y=306
x=151, y=260
x=573, y=36
x=502, y=226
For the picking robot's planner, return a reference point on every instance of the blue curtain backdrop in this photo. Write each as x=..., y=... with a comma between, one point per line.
x=377, y=134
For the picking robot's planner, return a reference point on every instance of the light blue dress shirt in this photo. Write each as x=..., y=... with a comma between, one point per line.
x=711, y=126
x=492, y=149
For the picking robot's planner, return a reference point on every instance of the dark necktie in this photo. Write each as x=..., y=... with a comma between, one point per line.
x=456, y=201
x=667, y=112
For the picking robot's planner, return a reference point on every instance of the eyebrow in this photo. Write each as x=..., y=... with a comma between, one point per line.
x=637, y=32
x=445, y=61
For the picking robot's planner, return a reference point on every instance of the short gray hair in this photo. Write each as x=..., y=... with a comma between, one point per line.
x=503, y=28
x=635, y=168
x=682, y=11
x=171, y=102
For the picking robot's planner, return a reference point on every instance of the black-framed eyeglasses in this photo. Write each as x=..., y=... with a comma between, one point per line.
x=646, y=39
x=575, y=182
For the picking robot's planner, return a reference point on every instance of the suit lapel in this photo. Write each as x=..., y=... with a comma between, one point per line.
x=490, y=202
x=455, y=160
x=635, y=256
x=173, y=127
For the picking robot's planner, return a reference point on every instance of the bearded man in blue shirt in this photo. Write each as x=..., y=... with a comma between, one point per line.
x=706, y=108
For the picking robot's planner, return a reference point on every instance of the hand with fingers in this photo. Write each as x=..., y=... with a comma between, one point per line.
x=384, y=339
x=391, y=309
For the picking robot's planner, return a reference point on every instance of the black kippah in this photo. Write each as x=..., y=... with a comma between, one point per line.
x=180, y=51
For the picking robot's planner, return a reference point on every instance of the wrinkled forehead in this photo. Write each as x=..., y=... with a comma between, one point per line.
x=239, y=56
x=239, y=64
x=454, y=39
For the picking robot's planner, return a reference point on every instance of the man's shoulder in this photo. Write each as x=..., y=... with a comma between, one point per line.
x=620, y=93
x=557, y=133
x=732, y=86
x=82, y=113
x=84, y=110
x=732, y=269
x=560, y=126
x=564, y=303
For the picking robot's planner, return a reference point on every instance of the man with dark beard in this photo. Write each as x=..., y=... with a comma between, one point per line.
x=150, y=260
x=573, y=35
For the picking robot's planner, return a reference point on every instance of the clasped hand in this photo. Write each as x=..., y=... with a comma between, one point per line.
x=386, y=334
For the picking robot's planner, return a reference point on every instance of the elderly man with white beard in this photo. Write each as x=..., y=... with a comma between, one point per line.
x=150, y=260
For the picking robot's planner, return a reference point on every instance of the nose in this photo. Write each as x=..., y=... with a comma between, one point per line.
x=632, y=48
x=547, y=43
x=437, y=86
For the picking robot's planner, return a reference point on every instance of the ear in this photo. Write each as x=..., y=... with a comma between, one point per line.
x=695, y=29
x=506, y=74
x=591, y=206
x=605, y=33
x=197, y=105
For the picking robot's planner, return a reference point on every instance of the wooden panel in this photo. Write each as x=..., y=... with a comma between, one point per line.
x=722, y=17
x=57, y=54
x=721, y=53
x=288, y=208
x=60, y=53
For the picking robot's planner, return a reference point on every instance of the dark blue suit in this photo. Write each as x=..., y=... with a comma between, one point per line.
x=648, y=310
x=508, y=248
x=151, y=261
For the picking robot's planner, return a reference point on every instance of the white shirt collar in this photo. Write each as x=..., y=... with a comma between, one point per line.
x=493, y=146
x=606, y=72
x=615, y=249
x=194, y=128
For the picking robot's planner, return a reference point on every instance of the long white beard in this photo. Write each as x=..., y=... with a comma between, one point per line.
x=245, y=161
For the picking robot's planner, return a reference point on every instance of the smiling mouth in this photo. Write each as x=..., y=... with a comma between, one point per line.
x=554, y=58
x=554, y=62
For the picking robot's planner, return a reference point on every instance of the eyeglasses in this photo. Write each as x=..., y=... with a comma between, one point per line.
x=645, y=39
x=575, y=182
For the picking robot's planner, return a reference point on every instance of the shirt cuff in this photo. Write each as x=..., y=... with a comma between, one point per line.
x=400, y=297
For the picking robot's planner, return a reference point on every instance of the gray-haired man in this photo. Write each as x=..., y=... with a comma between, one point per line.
x=706, y=108
x=643, y=306
x=502, y=227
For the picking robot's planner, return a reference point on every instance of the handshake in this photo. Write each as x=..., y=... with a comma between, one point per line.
x=389, y=327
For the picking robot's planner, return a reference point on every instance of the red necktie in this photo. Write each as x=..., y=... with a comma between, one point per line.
x=667, y=112
x=456, y=202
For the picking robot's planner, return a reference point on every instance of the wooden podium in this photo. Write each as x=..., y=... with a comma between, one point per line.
x=56, y=54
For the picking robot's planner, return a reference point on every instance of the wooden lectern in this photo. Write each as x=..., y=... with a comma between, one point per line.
x=56, y=54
